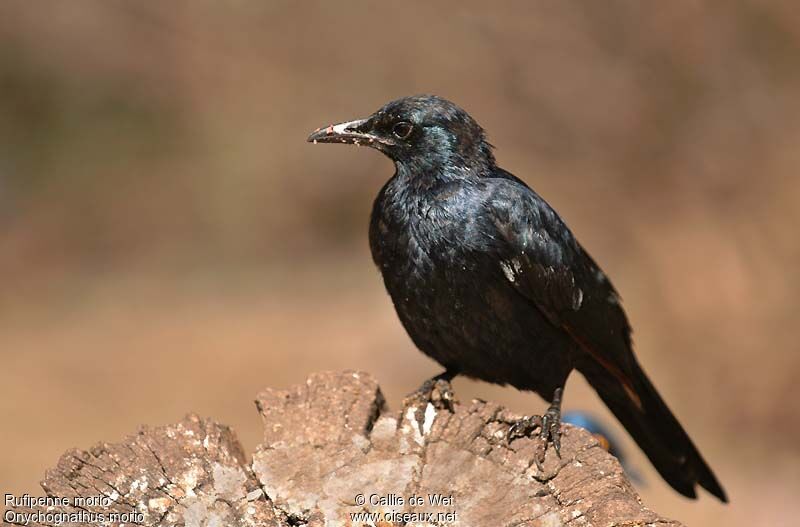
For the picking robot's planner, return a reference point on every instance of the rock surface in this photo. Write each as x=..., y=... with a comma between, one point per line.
x=332, y=451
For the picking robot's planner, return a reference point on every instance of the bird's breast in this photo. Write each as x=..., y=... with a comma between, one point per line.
x=422, y=253
x=417, y=240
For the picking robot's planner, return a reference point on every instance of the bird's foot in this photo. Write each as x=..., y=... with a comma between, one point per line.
x=437, y=391
x=549, y=431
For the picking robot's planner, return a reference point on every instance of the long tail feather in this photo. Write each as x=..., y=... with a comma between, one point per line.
x=655, y=429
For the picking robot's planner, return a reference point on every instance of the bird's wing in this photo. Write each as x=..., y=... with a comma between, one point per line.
x=543, y=261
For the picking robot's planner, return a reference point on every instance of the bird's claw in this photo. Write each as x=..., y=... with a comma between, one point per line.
x=438, y=392
x=524, y=427
x=442, y=395
x=549, y=427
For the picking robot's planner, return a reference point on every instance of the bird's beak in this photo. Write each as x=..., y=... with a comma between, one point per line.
x=352, y=132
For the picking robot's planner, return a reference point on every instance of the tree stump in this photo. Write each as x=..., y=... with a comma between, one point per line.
x=332, y=455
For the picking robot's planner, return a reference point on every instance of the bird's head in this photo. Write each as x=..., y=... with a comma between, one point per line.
x=419, y=133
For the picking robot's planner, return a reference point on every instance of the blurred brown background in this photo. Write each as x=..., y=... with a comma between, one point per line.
x=169, y=242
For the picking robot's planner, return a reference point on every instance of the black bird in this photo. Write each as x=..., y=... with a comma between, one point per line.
x=488, y=280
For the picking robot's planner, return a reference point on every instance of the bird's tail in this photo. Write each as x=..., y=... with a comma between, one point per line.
x=658, y=433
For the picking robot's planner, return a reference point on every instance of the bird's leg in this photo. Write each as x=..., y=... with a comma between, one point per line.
x=551, y=422
x=549, y=426
x=436, y=390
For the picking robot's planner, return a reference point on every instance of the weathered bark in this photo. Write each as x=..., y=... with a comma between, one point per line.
x=330, y=444
x=193, y=473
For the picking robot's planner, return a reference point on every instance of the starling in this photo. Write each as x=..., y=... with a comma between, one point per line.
x=489, y=281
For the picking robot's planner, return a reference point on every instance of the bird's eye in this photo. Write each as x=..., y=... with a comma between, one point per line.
x=402, y=130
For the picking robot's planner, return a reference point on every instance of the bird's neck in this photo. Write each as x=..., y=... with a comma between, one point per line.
x=425, y=177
